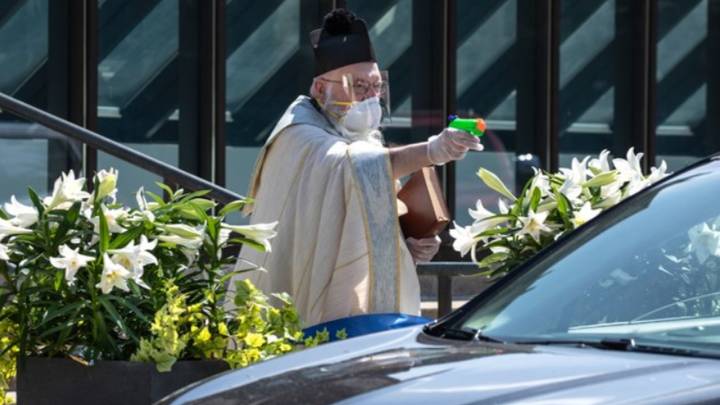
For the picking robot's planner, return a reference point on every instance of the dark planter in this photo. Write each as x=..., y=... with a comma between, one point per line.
x=63, y=381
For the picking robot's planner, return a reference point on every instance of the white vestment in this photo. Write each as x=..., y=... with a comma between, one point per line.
x=339, y=249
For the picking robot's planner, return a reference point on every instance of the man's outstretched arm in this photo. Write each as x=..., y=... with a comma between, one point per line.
x=450, y=144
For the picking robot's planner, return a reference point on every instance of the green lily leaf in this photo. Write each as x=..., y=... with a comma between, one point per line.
x=159, y=200
x=492, y=259
x=244, y=241
x=164, y=187
x=236, y=205
x=59, y=311
x=125, y=237
x=116, y=318
x=194, y=195
x=535, y=199
x=130, y=306
x=36, y=201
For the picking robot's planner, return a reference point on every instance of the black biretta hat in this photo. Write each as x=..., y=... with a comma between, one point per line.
x=342, y=40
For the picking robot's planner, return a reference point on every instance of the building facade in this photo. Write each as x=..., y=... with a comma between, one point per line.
x=200, y=83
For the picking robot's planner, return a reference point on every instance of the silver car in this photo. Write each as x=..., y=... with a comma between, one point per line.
x=624, y=310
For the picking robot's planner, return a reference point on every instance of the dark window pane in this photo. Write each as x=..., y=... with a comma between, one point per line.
x=682, y=133
x=588, y=60
x=24, y=147
x=391, y=32
x=268, y=64
x=486, y=87
x=138, y=84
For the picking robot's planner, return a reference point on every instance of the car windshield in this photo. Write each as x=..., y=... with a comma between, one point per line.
x=650, y=268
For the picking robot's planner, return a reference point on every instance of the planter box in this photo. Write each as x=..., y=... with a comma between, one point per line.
x=63, y=381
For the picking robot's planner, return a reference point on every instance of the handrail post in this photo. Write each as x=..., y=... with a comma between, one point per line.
x=444, y=295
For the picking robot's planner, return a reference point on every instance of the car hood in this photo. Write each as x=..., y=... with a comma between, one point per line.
x=411, y=367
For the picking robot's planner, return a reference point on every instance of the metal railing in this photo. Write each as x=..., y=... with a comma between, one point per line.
x=169, y=173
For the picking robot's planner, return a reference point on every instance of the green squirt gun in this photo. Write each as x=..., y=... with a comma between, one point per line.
x=475, y=126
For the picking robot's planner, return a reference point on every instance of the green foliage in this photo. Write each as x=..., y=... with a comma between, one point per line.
x=82, y=276
x=8, y=354
x=252, y=332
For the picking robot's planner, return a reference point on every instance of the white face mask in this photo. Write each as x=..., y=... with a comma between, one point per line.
x=362, y=117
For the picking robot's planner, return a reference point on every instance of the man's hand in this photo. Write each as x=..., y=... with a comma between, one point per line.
x=423, y=250
x=451, y=144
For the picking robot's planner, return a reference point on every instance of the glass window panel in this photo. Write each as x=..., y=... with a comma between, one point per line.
x=486, y=36
x=268, y=64
x=682, y=133
x=391, y=26
x=23, y=43
x=138, y=85
x=587, y=84
x=24, y=152
x=24, y=158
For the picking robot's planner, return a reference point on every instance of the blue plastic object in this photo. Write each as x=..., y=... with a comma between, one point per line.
x=359, y=325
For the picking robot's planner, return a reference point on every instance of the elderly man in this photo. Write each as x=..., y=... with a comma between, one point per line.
x=325, y=176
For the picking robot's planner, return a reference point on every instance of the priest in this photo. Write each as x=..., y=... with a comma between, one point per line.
x=327, y=179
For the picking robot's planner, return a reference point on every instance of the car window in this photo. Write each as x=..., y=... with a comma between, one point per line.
x=649, y=267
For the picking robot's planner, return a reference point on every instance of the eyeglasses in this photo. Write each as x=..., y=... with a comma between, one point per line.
x=362, y=88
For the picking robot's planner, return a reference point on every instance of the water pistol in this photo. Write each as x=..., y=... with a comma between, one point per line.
x=475, y=126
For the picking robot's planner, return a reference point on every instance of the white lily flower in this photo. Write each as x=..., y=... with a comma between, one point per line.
x=4, y=252
x=135, y=258
x=534, y=224
x=609, y=201
x=8, y=228
x=107, y=183
x=601, y=164
x=67, y=190
x=502, y=207
x=190, y=243
x=585, y=214
x=143, y=213
x=658, y=173
x=464, y=239
x=71, y=261
x=574, y=179
x=612, y=189
x=577, y=172
x=260, y=233
x=140, y=199
x=704, y=241
x=571, y=190
x=140, y=216
x=636, y=183
x=224, y=236
x=480, y=212
x=190, y=255
x=112, y=216
x=113, y=276
x=23, y=215
x=541, y=182
x=145, y=207
x=630, y=167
